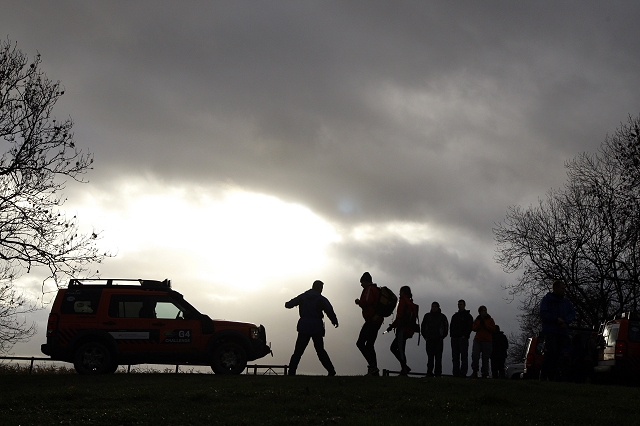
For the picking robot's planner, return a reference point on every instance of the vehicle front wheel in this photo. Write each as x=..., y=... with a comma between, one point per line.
x=229, y=358
x=93, y=358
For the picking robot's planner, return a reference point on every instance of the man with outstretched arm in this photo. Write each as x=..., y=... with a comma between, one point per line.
x=311, y=305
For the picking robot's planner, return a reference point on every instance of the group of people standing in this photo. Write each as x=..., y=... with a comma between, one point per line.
x=489, y=344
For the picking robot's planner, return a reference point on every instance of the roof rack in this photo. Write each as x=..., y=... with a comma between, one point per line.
x=166, y=284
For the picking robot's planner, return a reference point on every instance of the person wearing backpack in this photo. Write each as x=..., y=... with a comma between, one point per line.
x=435, y=327
x=404, y=324
x=372, y=321
x=311, y=305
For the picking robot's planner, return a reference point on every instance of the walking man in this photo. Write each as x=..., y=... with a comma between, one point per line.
x=311, y=305
x=372, y=321
x=434, y=329
x=484, y=327
x=556, y=312
x=406, y=320
x=460, y=331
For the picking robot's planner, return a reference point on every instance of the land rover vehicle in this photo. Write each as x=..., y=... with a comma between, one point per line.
x=98, y=324
x=619, y=350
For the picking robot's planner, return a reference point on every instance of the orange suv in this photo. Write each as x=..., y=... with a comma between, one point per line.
x=619, y=350
x=98, y=324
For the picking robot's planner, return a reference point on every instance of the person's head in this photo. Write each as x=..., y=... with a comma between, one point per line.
x=497, y=328
x=559, y=288
x=317, y=286
x=461, y=305
x=482, y=310
x=366, y=280
x=405, y=290
x=435, y=307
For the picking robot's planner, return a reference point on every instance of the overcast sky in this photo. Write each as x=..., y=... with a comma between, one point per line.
x=245, y=149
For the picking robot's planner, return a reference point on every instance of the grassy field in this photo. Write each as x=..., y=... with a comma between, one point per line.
x=198, y=399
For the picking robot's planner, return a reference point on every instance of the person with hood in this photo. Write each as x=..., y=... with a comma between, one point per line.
x=482, y=342
x=460, y=331
x=372, y=321
x=311, y=305
x=556, y=312
x=435, y=327
x=500, y=346
x=404, y=325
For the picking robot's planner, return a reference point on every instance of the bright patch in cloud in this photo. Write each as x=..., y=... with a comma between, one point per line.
x=231, y=237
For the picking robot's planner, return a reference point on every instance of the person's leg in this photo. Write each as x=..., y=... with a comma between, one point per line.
x=464, y=356
x=366, y=342
x=402, y=345
x=549, y=367
x=395, y=349
x=430, y=356
x=438, y=357
x=486, y=355
x=323, y=356
x=475, y=357
x=301, y=344
x=455, y=355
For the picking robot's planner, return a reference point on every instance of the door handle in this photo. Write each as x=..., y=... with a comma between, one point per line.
x=109, y=323
x=158, y=324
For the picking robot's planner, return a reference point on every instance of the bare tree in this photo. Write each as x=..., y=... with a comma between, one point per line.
x=40, y=156
x=587, y=234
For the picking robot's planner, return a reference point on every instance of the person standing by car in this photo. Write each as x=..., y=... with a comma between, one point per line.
x=556, y=313
x=404, y=325
x=500, y=346
x=460, y=331
x=311, y=305
x=484, y=327
x=372, y=321
x=435, y=327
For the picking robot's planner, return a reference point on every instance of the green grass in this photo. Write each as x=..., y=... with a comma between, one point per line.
x=199, y=399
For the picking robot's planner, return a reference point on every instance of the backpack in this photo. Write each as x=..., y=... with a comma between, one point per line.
x=386, y=302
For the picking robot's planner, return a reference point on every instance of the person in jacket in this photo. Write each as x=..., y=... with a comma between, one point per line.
x=404, y=323
x=460, y=331
x=556, y=313
x=372, y=321
x=435, y=327
x=484, y=327
x=500, y=346
x=311, y=306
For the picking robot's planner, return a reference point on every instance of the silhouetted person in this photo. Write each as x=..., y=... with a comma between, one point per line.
x=500, y=346
x=311, y=305
x=372, y=321
x=404, y=324
x=556, y=312
x=435, y=327
x=460, y=331
x=484, y=327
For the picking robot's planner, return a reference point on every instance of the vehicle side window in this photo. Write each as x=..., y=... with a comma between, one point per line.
x=80, y=301
x=131, y=306
x=634, y=332
x=168, y=310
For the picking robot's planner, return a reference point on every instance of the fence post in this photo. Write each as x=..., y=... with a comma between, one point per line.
x=31, y=367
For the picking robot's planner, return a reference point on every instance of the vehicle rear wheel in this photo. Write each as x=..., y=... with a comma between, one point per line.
x=229, y=358
x=93, y=358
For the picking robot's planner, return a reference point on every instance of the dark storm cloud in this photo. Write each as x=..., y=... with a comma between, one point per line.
x=297, y=98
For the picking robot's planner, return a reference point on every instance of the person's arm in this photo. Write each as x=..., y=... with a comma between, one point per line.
x=293, y=302
x=328, y=309
x=446, y=326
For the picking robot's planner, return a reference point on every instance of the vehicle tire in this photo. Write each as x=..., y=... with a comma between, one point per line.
x=229, y=358
x=93, y=358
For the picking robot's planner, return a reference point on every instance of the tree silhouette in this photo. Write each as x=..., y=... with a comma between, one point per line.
x=40, y=156
x=586, y=233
